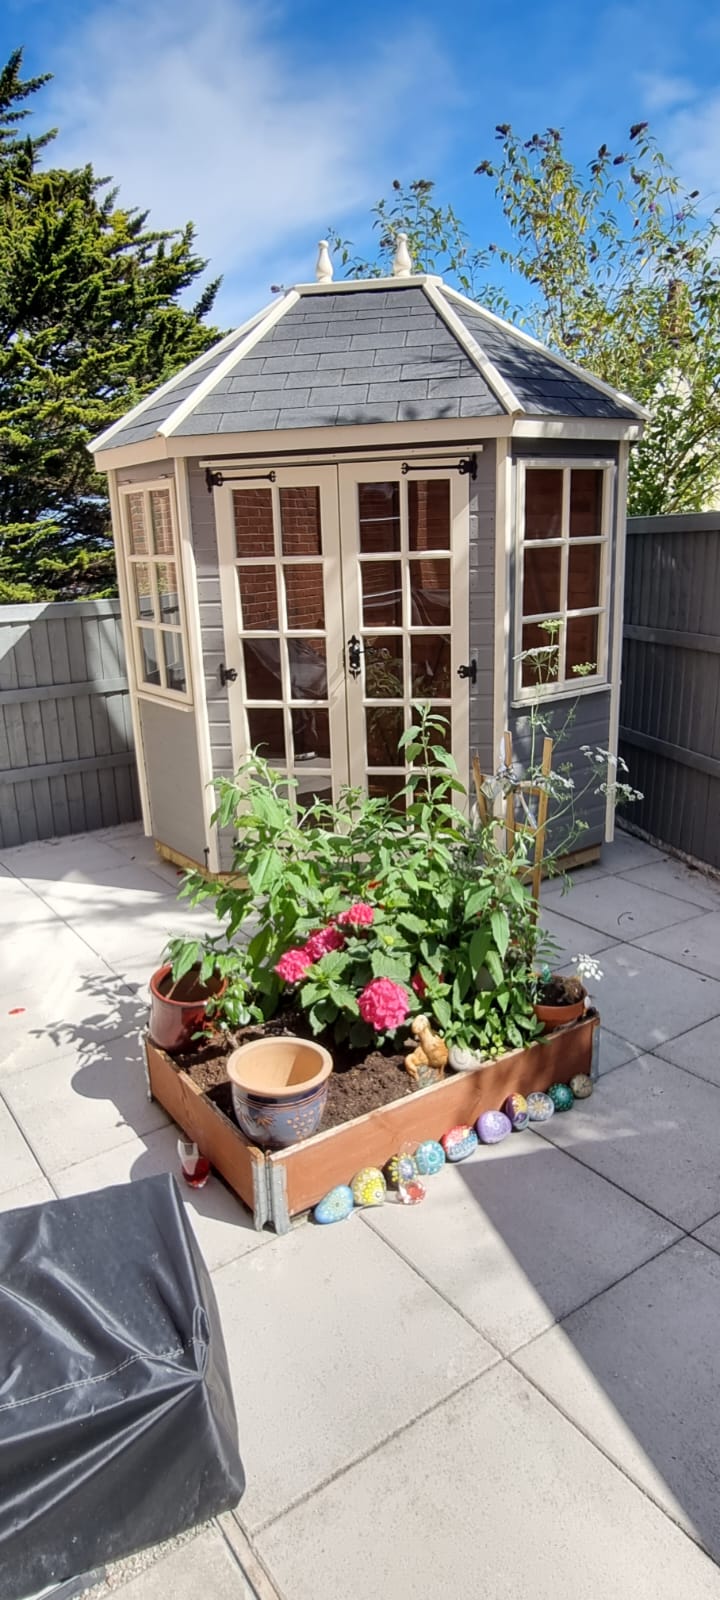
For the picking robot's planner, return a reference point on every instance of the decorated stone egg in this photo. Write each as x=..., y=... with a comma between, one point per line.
x=561, y=1095
x=540, y=1107
x=459, y=1142
x=581, y=1085
x=400, y=1169
x=492, y=1126
x=429, y=1157
x=335, y=1206
x=368, y=1187
x=516, y=1108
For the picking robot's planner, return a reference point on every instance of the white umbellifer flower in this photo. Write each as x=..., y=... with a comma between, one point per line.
x=588, y=969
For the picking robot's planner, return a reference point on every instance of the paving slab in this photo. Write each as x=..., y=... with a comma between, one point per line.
x=49, y=858
x=333, y=1344
x=33, y=1193
x=653, y=1130
x=40, y=946
x=637, y=1371
x=18, y=1165
x=709, y=1234
x=686, y=883
x=222, y=1226
x=195, y=1567
x=615, y=1051
x=626, y=852
x=515, y=1241
x=648, y=1000
x=618, y=908
x=572, y=938
x=493, y=1494
x=695, y=944
x=697, y=1051
x=76, y=1010
x=79, y=1104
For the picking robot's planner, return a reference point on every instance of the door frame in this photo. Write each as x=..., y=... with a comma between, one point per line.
x=324, y=478
x=349, y=476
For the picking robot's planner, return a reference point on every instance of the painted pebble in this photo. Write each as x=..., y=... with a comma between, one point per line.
x=399, y=1169
x=335, y=1206
x=429, y=1157
x=516, y=1108
x=463, y=1060
x=581, y=1086
x=492, y=1126
x=562, y=1096
x=540, y=1107
x=368, y=1187
x=459, y=1142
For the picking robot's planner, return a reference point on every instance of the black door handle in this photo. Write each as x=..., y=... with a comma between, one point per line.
x=469, y=671
x=227, y=675
x=354, y=652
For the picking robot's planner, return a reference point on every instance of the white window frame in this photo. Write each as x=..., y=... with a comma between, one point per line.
x=574, y=684
x=162, y=691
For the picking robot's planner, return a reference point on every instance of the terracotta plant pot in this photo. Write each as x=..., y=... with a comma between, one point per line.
x=279, y=1089
x=177, y=1011
x=558, y=1016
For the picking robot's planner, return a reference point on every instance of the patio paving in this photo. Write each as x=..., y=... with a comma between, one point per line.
x=508, y=1391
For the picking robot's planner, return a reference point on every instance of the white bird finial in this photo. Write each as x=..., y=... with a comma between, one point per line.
x=402, y=259
x=323, y=265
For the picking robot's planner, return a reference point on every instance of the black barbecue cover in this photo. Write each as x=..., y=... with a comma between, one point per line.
x=117, y=1425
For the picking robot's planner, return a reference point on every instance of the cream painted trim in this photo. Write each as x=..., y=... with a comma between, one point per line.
x=394, y=455
x=566, y=428
x=129, y=647
x=502, y=391
x=195, y=660
x=357, y=285
x=132, y=455
x=167, y=696
x=102, y=440
x=618, y=579
x=503, y=591
x=186, y=407
x=463, y=432
x=561, y=361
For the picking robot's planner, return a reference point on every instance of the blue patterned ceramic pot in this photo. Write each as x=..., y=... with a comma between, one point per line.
x=279, y=1089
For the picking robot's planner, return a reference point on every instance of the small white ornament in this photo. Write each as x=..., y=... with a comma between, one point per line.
x=323, y=265
x=402, y=259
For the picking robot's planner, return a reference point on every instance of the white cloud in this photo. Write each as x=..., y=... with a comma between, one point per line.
x=204, y=112
x=662, y=91
x=692, y=141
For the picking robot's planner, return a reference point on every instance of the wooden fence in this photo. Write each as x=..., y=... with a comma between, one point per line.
x=66, y=744
x=670, y=703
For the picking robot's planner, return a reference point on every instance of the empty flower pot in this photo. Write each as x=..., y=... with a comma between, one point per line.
x=279, y=1089
x=177, y=1010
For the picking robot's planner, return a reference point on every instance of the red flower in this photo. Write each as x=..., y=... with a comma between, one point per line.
x=293, y=965
x=319, y=943
x=384, y=1005
x=419, y=985
x=361, y=915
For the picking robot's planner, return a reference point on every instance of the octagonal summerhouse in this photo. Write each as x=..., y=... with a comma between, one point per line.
x=370, y=494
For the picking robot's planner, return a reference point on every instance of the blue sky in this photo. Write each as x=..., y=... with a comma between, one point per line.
x=266, y=122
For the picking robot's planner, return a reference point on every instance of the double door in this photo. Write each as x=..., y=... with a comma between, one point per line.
x=345, y=605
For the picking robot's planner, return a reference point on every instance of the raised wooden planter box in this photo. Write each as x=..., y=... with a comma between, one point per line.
x=278, y=1185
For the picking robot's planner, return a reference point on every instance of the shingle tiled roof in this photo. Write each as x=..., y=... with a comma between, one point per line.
x=392, y=353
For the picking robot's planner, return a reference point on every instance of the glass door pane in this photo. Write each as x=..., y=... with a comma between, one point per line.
x=404, y=551
x=283, y=623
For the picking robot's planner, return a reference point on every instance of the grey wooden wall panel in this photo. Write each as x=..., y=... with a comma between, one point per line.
x=204, y=535
x=64, y=708
x=670, y=702
x=173, y=773
x=482, y=603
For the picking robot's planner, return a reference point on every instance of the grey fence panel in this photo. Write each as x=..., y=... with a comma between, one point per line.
x=670, y=701
x=67, y=762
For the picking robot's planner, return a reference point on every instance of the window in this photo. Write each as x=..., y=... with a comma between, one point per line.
x=154, y=588
x=562, y=576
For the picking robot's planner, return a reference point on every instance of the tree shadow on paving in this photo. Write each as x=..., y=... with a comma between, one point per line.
x=633, y=1359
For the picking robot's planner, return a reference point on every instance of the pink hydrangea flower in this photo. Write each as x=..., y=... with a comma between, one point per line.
x=293, y=965
x=319, y=943
x=384, y=1005
x=361, y=915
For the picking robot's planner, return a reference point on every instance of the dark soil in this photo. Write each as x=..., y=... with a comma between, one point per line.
x=360, y=1081
x=559, y=991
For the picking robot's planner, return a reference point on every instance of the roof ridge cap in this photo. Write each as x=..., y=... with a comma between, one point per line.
x=498, y=386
